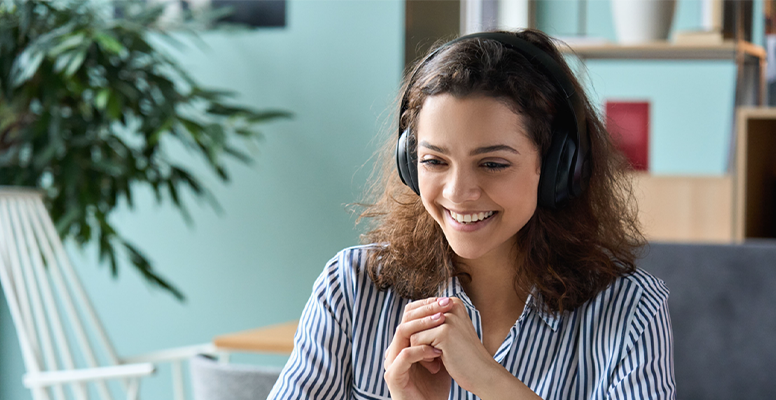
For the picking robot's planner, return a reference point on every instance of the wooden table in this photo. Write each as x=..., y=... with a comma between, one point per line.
x=270, y=339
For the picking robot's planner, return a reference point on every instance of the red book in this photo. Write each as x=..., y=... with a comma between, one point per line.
x=628, y=123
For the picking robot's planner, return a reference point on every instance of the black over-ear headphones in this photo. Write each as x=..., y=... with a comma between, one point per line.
x=565, y=166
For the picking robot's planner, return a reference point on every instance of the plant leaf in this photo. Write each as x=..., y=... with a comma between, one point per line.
x=144, y=266
x=76, y=62
x=109, y=43
x=68, y=43
x=101, y=100
x=84, y=104
x=25, y=66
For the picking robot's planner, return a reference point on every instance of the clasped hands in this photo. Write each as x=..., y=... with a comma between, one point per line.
x=435, y=343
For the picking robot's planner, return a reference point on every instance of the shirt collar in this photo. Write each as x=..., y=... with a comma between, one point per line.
x=551, y=319
x=453, y=288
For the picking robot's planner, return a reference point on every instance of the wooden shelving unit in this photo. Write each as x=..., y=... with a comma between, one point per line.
x=755, y=178
x=724, y=208
x=685, y=208
x=749, y=59
x=727, y=50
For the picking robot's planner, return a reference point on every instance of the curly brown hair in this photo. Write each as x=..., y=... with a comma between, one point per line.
x=568, y=254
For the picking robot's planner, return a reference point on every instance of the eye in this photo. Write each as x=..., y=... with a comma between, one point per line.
x=494, y=166
x=432, y=162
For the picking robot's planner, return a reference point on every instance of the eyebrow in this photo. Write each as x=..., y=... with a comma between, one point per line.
x=477, y=151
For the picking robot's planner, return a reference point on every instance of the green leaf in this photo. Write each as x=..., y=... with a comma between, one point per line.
x=244, y=158
x=188, y=179
x=114, y=106
x=44, y=158
x=101, y=100
x=264, y=116
x=127, y=90
x=68, y=43
x=211, y=95
x=64, y=222
x=75, y=63
x=25, y=66
x=144, y=266
x=165, y=127
x=248, y=133
x=109, y=43
x=194, y=128
x=220, y=109
x=63, y=61
x=221, y=171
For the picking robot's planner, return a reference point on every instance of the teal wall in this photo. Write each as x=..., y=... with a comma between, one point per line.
x=691, y=102
x=337, y=66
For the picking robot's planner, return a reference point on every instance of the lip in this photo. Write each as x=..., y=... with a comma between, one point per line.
x=470, y=227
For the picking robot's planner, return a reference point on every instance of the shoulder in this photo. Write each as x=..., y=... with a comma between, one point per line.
x=639, y=289
x=653, y=292
x=351, y=260
x=646, y=292
x=634, y=301
x=347, y=271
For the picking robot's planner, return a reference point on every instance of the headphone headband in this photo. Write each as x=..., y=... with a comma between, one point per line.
x=565, y=167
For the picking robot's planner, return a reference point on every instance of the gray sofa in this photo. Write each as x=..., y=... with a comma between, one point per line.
x=723, y=312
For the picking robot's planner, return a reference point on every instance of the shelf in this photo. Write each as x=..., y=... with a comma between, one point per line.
x=685, y=208
x=728, y=50
x=755, y=201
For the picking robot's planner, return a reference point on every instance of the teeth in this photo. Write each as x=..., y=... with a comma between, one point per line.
x=469, y=218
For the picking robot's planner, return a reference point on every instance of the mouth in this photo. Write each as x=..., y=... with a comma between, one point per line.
x=471, y=218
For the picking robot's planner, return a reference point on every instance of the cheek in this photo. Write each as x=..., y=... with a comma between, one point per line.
x=524, y=190
x=426, y=192
x=430, y=190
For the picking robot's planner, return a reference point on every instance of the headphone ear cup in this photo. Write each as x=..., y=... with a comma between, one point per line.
x=557, y=175
x=406, y=162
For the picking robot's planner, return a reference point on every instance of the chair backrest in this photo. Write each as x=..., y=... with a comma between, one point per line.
x=38, y=281
x=212, y=380
x=721, y=304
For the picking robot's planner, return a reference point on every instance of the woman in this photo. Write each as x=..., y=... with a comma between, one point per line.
x=501, y=260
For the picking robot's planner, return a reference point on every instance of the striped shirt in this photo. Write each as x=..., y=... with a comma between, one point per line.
x=617, y=345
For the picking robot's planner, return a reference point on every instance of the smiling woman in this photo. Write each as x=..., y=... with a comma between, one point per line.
x=501, y=259
x=475, y=158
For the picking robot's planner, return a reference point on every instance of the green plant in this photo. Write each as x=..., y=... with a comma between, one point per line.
x=86, y=102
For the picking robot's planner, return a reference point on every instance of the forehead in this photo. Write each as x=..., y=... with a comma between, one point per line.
x=470, y=120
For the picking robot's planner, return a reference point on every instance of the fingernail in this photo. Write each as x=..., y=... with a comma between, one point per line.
x=444, y=301
x=436, y=316
x=437, y=351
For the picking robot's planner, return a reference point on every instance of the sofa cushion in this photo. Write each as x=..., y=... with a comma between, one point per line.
x=722, y=310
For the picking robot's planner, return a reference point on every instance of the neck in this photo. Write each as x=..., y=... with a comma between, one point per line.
x=492, y=286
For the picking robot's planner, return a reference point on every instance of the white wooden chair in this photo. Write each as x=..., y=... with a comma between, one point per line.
x=38, y=282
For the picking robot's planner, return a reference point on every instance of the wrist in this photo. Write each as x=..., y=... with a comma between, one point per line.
x=501, y=384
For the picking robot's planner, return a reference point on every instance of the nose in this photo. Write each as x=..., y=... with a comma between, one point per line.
x=462, y=186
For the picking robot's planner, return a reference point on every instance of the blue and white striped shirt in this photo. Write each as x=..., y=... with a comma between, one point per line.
x=618, y=345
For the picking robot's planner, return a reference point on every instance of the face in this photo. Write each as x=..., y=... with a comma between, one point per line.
x=478, y=172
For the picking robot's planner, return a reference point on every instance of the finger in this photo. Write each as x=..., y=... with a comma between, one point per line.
x=432, y=336
x=433, y=366
x=401, y=338
x=429, y=307
x=457, y=307
x=419, y=303
x=408, y=356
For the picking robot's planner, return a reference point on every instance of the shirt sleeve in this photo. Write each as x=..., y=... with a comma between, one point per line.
x=647, y=369
x=320, y=364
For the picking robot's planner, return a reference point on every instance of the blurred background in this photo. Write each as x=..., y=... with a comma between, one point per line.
x=337, y=65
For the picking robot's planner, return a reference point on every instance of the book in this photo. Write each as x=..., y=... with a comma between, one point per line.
x=628, y=124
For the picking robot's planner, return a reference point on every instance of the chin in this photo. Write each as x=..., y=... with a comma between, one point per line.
x=467, y=251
